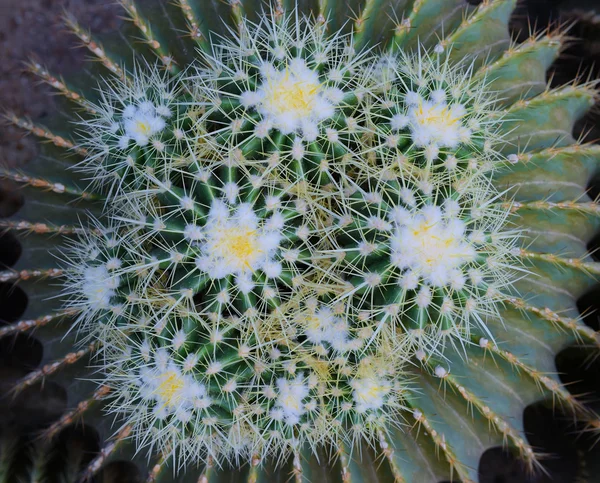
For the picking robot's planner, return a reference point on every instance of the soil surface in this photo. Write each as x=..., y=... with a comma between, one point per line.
x=34, y=28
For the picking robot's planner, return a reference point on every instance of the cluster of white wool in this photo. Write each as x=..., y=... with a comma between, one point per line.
x=163, y=384
x=431, y=245
x=95, y=276
x=293, y=79
x=292, y=99
x=141, y=122
x=99, y=286
x=323, y=327
x=137, y=113
x=432, y=122
x=163, y=388
x=438, y=107
x=234, y=241
x=370, y=392
x=425, y=267
x=290, y=403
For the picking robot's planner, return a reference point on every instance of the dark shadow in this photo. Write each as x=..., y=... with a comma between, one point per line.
x=579, y=370
x=13, y=303
x=593, y=189
x=35, y=407
x=500, y=466
x=589, y=308
x=74, y=448
x=10, y=250
x=10, y=199
x=593, y=247
x=120, y=472
x=21, y=352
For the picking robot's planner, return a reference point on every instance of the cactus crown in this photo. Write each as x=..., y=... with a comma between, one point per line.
x=300, y=243
x=291, y=220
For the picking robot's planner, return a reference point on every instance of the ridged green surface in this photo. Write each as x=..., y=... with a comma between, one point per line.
x=480, y=403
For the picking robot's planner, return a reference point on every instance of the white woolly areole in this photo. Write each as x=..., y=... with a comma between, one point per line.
x=235, y=243
x=433, y=122
x=370, y=392
x=290, y=396
x=172, y=391
x=99, y=286
x=323, y=326
x=291, y=100
x=142, y=122
x=432, y=245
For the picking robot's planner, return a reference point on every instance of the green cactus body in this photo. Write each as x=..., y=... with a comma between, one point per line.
x=295, y=245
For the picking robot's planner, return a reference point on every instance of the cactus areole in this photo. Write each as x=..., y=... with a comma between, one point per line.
x=296, y=241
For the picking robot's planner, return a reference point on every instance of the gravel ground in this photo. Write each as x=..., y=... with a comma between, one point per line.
x=34, y=28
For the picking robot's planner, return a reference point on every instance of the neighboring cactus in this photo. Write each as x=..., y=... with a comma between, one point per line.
x=305, y=246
